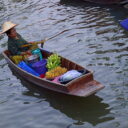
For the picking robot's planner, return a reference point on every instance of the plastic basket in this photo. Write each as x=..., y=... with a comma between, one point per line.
x=40, y=66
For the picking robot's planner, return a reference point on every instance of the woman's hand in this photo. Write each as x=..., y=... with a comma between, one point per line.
x=26, y=53
x=23, y=53
x=29, y=52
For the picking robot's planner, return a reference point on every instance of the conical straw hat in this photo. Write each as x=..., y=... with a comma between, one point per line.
x=6, y=26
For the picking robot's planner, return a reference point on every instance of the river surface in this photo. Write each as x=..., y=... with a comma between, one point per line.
x=89, y=34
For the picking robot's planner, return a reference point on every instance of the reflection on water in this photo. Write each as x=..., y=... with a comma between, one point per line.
x=90, y=109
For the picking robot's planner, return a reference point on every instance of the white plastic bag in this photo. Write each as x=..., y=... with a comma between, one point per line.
x=70, y=75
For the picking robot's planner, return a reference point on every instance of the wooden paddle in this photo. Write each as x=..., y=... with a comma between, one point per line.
x=35, y=43
x=42, y=41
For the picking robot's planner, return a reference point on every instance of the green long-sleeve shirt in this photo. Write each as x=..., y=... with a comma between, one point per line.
x=14, y=45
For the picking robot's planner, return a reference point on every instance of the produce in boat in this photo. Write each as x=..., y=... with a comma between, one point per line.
x=53, y=61
x=55, y=72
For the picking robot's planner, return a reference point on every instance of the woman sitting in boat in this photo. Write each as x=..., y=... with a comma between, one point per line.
x=15, y=41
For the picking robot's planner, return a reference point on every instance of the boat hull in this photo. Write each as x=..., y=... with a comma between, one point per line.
x=82, y=86
x=104, y=1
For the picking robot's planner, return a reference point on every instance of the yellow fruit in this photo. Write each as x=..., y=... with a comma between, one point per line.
x=55, y=72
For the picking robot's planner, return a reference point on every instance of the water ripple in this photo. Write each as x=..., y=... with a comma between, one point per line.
x=88, y=34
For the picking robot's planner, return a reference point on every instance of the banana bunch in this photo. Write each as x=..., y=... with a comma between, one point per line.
x=53, y=61
x=55, y=72
x=17, y=58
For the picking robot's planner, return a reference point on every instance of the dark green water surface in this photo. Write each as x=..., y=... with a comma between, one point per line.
x=90, y=35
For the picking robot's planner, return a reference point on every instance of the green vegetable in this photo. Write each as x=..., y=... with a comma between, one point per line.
x=53, y=61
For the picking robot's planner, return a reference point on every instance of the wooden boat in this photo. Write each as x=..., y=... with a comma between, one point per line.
x=105, y=1
x=82, y=86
